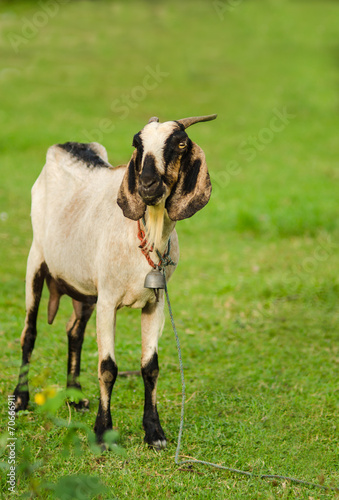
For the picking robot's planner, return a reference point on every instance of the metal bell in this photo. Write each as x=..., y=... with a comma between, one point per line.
x=154, y=279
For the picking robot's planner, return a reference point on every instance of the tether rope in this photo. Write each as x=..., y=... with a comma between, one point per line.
x=182, y=416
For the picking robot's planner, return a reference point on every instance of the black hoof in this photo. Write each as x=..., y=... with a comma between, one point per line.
x=158, y=445
x=82, y=405
x=156, y=439
x=101, y=443
x=103, y=447
x=21, y=400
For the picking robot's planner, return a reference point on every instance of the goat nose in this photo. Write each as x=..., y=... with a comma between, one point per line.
x=148, y=175
x=147, y=181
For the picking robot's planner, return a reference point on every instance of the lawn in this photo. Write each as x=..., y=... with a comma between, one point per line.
x=255, y=296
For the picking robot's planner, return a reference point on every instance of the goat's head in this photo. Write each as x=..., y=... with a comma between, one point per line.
x=166, y=169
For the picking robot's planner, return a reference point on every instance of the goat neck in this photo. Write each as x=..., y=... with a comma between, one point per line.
x=158, y=227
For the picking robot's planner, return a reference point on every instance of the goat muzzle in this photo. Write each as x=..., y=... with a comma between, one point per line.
x=151, y=192
x=151, y=186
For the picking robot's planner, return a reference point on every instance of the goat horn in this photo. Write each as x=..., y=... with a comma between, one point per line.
x=153, y=119
x=187, y=122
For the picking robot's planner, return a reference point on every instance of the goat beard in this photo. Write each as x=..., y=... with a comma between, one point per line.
x=154, y=225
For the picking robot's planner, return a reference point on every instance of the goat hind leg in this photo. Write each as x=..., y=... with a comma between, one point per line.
x=35, y=275
x=75, y=332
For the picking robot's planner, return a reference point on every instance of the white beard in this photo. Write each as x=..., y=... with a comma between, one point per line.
x=154, y=225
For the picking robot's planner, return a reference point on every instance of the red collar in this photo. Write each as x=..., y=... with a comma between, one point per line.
x=164, y=260
x=143, y=245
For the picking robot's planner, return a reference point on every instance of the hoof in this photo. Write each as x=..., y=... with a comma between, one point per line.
x=103, y=447
x=21, y=400
x=156, y=439
x=158, y=445
x=82, y=405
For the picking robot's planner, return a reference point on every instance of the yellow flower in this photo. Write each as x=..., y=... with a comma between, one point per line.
x=40, y=398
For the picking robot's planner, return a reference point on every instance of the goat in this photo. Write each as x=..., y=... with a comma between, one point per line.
x=86, y=245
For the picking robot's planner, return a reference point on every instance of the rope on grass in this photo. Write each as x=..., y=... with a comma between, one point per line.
x=182, y=416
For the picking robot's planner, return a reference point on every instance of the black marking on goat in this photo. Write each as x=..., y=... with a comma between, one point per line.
x=191, y=176
x=21, y=392
x=171, y=146
x=129, y=199
x=131, y=177
x=151, y=186
x=75, y=333
x=151, y=423
x=149, y=173
x=180, y=125
x=108, y=374
x=84, y=153
x=65, y=289
x=137, y=143
x=193, y=188
x=31, y=332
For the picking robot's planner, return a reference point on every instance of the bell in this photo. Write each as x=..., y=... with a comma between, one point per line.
x=154, y=279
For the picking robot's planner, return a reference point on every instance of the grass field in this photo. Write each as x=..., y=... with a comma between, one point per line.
x=255, y=296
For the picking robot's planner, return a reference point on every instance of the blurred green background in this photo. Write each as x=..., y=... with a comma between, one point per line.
x=256, y=291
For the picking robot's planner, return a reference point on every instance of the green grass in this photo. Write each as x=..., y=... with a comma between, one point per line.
x=255, y=296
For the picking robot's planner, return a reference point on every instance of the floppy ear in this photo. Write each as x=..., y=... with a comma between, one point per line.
x=193, y=188
x=129, y=199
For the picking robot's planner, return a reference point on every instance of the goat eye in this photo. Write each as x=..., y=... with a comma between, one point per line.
x=182, y=145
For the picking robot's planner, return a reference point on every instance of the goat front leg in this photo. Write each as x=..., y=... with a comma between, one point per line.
x=152, y=323
x=107, y=368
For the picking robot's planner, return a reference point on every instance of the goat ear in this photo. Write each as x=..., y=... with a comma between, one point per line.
x=129, y=199
x=193, y=188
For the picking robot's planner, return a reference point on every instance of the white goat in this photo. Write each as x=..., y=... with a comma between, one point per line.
x=86, y=244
